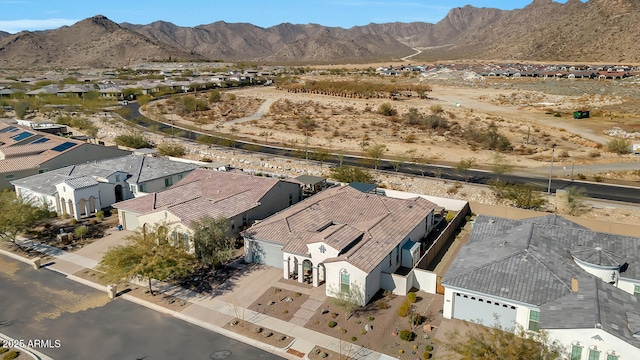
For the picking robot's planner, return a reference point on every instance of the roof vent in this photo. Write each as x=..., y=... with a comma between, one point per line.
x=491, y=221
x=574, y=284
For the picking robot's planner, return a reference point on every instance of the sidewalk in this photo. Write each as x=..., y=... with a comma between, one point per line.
x=208, y=312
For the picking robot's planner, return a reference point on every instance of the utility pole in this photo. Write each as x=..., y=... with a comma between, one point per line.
x=553, y=148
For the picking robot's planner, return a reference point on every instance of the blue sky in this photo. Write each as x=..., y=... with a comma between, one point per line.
x=17, y=15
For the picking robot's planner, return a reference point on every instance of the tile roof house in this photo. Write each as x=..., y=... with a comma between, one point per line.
x=80, y=190
x=552, y=274
x=343, y=237
x=239, y=197
x=25, y=152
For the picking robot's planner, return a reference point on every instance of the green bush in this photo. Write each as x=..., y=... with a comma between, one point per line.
x=386, y=109
x=619, y=146
x=404, y=309
x=353, y=338
x=412, y=297
x=582, y=176
x=426, y=355
x=332, y=324
x=407, y=335
x=429, y=348
x=73, y=221
x=135, y=141
x=171, y=149
x=100, y=215
x=3, y=350
x=11, y=355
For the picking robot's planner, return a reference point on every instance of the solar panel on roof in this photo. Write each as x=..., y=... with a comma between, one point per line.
x=64, y=146
x=23, y=135
x=40, y=141
x=7, y=129
x=14, y=130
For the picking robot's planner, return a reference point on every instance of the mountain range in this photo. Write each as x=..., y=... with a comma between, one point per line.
x=592, y=31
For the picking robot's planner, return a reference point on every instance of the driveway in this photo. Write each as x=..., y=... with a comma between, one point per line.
x=43, y=305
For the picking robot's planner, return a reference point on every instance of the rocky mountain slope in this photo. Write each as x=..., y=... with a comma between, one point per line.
x=592, y=31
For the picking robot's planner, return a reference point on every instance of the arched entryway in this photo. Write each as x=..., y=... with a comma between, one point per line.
x=82, y=206
x=71, y=209
x=63, y=205
x=321, y=275
x=118, y=193
x=92, y=204
x=307, y=271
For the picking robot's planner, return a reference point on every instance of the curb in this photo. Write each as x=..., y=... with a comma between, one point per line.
x=34, y=354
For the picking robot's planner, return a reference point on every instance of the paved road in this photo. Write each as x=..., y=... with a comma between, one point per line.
x=536, y=177
x=42, y=304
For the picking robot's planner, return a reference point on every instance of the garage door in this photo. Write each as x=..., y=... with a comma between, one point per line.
x=130, y=220
x=483, y=310
x=266, y=253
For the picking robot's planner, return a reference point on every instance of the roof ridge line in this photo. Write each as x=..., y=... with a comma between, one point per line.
x=549, y=269
x=487, y=264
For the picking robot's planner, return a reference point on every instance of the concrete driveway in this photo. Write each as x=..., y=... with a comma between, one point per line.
x=96, y=249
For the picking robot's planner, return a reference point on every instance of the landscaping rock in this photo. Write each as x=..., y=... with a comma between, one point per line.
x=368, y=327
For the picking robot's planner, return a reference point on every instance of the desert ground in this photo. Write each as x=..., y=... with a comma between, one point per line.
x=532, y=116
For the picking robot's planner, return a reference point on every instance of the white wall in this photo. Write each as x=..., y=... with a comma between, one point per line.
x=590, y=337
x=357, y=277
x=425, y=280
x=449, y=204
x=627, y=284
x=36, y=198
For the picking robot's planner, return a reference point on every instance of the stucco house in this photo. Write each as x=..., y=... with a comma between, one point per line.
x=239, y=197
x=344, y=238
x=25, y=152
x=80, y=190
x=549, y=273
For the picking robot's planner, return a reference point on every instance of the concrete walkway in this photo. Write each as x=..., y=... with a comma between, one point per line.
x=211, y=312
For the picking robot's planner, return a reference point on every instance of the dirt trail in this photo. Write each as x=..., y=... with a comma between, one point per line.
x=468, y=99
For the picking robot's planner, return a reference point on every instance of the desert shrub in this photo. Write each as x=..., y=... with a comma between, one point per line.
x=450, y=215
x=135, y=141
x=353, y=338
x=382, y=305
x=386, y=109
x=100, y=215
x=388, y=294
x=404, y=309
x=343, y=330
x=349, y=174
x=282, y=337
x=324, y=355
x=594, y=154
x=426, y=355
x=257, y=329
x=410, y=139
x=582, y=176
x=3, y=350
x=557, y=115
x=11, y=355
x=435, y=122
x=416, y=319
x=407, y=335
x=214, y=96
x=619, y=146
x=332, y=324
x=436, y=109
x=171, y=149
x=21, y=109
x=412, y=297
x=597, y=178
x=267, y=334
x=370, y=318
x=73, y=221
x=429, y=348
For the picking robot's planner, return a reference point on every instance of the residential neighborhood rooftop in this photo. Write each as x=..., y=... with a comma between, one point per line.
x=363, y=227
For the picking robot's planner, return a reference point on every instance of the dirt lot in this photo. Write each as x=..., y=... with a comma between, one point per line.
x=382, y=315
x=532, y=120
x=279, y=303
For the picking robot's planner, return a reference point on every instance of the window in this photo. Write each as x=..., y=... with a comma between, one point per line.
x=576, y=352
x=290, y=199
x=534, y=319
x=398, y=253
x=612, y=357
x=345, y=282
x=9, y=176
x=134, y=189
x=168, y=182
x=244, y=219
x=594, y=354
x=179, y=176
x=142, y=187
x=42, y=171
x=185, y=239
x=636, y=290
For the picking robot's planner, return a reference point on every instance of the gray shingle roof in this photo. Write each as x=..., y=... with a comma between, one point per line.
x=595, y=305
x=81, y=182
x=532, y=261
x=139, y=169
